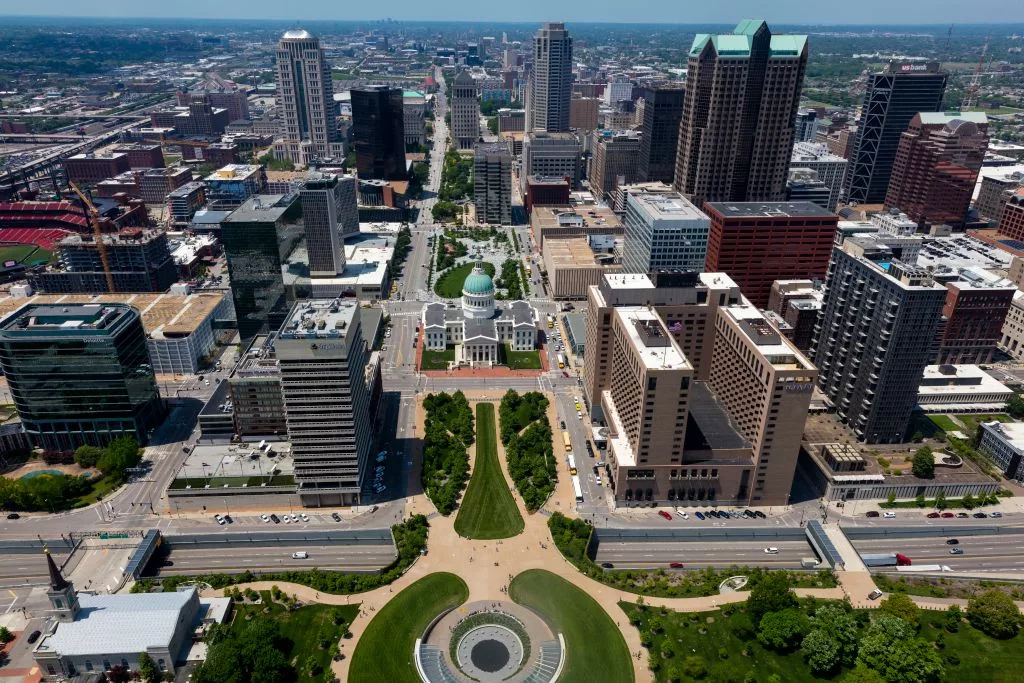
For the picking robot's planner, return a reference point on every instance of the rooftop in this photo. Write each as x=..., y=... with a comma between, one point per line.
x=652, y=342
x=237, y=172
x=938, y=118
x=39, y=317
x=738, y=43
x=665, y=206
x=262, y=208
x=775, y=348
x=575, y=252
x=767, y=209
x=319, y=318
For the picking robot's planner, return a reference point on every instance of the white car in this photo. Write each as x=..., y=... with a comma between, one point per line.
x=265, y=518
x=579, y=414
x=305, y=517
x=287, y=519
x=301, y=555
x=682, y=513
x=771, y=550
x=295, y=518
x=220, y=520
x=889, y=515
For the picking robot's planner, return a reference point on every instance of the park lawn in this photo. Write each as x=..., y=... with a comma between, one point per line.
x=488, y=509
x=595, y=648
x=944, y=423
x=99, y=490
x=437, y=360
x=385, y=650
x=449, y=283
x=304, y=628
x=519, y=360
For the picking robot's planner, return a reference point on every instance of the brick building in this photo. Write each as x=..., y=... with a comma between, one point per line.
x=974, y=313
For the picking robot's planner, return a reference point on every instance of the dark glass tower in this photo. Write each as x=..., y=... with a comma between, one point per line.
x=663, y=109
x=257, y=238
x=80, y=374
x=378, y=132
x=892, y=98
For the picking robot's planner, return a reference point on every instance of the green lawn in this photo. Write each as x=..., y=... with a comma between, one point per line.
x=970, y=421
x=385, y=650
x=981, y=658
x=16, y=252
x=488, y=509
x=304, y=628
x=437, y=360
x=519, y=360
x=449, y=283
x=595, y=648
x=944, y=423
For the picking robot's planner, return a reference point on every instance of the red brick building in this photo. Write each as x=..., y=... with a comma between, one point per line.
x=756, y=243
x=937, y=165
x=974, y=314
x=89, y=168
x=143, y=155
x=1012, y=223
x=542, y=191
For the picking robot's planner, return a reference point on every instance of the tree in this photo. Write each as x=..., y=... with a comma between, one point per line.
x=924, y=463
x=147, y=669
x=119, y=674
x=994, y=613
x=821, y=651
x=832, y=639
x=863, y=674
x=899, y=605
x=891, y=648
x=770, y=594
x=88, y=456
x=940, y=501
x=782, y=631
x=5, y=635
x=694, y=666
x=1015, y=406
x=954, y=615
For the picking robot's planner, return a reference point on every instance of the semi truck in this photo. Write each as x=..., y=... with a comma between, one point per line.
x=885, y=560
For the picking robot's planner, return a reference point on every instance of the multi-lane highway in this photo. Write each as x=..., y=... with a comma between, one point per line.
x=192, y=560
x=983, y=553
x=699, y=553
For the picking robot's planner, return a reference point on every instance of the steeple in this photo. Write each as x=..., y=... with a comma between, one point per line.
x=57, y=581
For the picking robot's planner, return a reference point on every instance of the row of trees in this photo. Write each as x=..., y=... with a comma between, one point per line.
x=449, y=430
x=53, y=492
x=509, y=279
x=531, y=460
x=518, y=410
x=402, y=245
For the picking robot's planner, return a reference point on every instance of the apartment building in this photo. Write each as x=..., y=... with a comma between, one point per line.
x=995, y=191
x=492, y=184
x=974, y=312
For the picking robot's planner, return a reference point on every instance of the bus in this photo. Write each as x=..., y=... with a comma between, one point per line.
x=572, y=464
x=529, y=272
x=577, y=489
x=566, y=442
x=551, y=322
x=561, y=361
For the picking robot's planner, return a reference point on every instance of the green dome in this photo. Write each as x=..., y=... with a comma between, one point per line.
x=478, y=282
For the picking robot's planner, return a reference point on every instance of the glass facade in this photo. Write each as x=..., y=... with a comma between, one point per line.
x=80, y=374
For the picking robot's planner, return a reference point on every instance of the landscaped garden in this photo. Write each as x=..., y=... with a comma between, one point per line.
x=940, y=587
x=527, y=437
x=437, y=360
x=449, y=283
x=385, y=650
x=572, y=538
x=410, y=540
x=488, y=509
x=775, y=638
x=595, y=648
x=518, y=360
x=448, y=431
x=272, y=640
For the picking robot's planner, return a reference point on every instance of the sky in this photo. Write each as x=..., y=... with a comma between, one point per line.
x=530, y=11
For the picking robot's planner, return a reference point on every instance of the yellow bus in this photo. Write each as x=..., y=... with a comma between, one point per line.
x=567, y=442
x=561, y=361
x=551, y=322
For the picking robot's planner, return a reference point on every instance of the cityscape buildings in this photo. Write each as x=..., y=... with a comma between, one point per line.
x=550, y=155
x=615, y=161
x=663, y=231
x=893, y=97
x=663, y=110
x=465, y=111
x=378, y=132
x=321, y=199
x=492, y=184
x=550, y=93
x=736, y=131
x=829, y=168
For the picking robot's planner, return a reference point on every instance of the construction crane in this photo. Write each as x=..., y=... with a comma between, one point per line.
x=971, y=96
x=101, y=246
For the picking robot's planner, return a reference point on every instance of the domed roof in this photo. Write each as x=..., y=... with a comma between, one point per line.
x=297, y=34
x=478, y=281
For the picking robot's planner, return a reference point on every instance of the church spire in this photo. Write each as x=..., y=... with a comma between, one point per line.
x=57, y=581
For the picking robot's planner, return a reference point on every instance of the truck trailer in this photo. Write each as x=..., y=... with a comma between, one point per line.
x=885, y=560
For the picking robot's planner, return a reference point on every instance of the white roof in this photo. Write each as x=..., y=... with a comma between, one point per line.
x=114, y=624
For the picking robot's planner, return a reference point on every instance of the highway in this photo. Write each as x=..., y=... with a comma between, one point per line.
x=29, y=567
x=190, y=560
x=988, y=553
x=698, y=553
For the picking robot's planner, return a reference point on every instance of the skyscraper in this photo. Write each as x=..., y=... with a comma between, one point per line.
x=305, y=100
x=492, y=184
x=874, y=337
x=551, y=81
x=663, y=109
x=378, y=132
x=736, y=131
x=80, y=374
x=614, y=162
x=937, y=165
x=465, y=111
x=321, y=199
x=663, y=231
x=892, y=98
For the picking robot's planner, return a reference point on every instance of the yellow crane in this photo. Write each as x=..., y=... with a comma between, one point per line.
x=101, y=246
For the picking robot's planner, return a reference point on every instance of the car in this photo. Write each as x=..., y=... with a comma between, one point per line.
x=335, y=516
x=227, y=518
x=287, y=519
x=948, y=515
x=564, y=373
x=305, y=517
x=295, y=517
x=962, y=515
x=932, y=515
x=300, y=555
x=952, y=541
x=760, y=515
x=13, y=515
x=666, y=515
x=748, y=514
x=682, y=513
x=712, y=513
x=167, y=563
x=980, y=515
x=996, y=514
x=607, y=565
x=699, y=515
x=875, y=594
x=675, y=565
x=873, y=513
x=34, y=636
x=275, y=519
x=956, y=551
x=889, y=515
x=374, y=508
x=579, y=415
x=563, y=424
x=771, y=550
x=220, y=520
x=265, y=518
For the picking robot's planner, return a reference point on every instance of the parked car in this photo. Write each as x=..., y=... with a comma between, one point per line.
x=956, y=551
x=305, y=517
x=995, y=514
x=748, y=514
x=932, y=515
x=760, y=515
x=33, y=637
x=889, y=515
x=980, y=515
x=962, y=515
x=220, y=520
x=265, y=518
x=699, y=515
x=13, y=515
x=682, y=513
x=675, y=565
x=875, y=594
x=872, y=513
x=952, y=541
x=948, y=515
x=227, y=518
x=665, y=514
x=275, y=519
x=335, y=516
